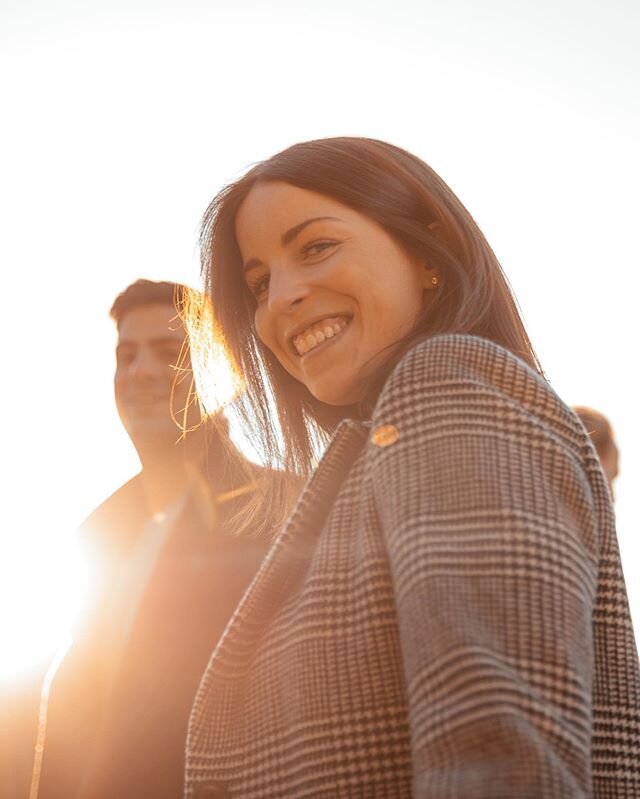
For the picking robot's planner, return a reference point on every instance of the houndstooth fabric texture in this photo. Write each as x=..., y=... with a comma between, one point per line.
x=442, y=617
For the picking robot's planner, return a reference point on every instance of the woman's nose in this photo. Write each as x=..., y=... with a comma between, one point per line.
x=286, y=291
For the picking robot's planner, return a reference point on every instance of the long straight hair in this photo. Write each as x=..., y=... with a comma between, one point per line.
x=419, y=211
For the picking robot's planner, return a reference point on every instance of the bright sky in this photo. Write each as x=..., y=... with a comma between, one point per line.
x=122, y=119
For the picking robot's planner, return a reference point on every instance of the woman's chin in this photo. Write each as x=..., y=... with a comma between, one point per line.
x=335, y=392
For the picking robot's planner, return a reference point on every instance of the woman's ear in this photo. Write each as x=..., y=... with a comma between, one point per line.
x=430, y=278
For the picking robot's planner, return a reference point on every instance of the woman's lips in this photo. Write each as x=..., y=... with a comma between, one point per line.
x=317, y=333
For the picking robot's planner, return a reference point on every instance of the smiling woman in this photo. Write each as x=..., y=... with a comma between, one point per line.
x=338, y=342
x=444, y=613
x=385, y=214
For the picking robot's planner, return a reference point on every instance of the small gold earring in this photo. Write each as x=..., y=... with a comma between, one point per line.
x=434, y=280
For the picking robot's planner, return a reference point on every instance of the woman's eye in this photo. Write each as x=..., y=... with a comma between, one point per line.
x=318, y=246
x=259, y=286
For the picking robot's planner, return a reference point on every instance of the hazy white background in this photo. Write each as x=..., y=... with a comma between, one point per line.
x=120, y=120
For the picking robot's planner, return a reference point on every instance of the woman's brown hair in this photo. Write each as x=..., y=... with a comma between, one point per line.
x=405, y=197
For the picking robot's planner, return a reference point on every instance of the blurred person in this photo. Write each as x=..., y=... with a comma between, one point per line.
x=167, y=573
x=601, y=433
x=444, y=614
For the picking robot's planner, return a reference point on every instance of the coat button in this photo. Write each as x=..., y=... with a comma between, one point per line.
x=385, y=436
x=211, y=790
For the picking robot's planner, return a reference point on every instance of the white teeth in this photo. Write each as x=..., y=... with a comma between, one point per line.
x=317, y=334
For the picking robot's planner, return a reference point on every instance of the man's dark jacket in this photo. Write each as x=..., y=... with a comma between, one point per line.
x=118, y=709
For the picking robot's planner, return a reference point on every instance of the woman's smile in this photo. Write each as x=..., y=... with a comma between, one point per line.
x=324, y=332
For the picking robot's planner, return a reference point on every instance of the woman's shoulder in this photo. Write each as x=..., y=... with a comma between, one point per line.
x=456, y=374
x=466, y=357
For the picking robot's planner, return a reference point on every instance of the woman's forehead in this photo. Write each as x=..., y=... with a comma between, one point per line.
x=273, y=208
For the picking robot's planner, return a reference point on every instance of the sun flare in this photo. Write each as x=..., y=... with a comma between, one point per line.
x=216, y=376
x=43, y=589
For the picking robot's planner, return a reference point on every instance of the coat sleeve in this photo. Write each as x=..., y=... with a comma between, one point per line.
x=493, y=542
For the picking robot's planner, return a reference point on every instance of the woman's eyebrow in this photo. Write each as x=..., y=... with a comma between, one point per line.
x=288, y=237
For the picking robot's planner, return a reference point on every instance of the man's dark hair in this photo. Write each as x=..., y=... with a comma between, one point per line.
x=599, y=429
x=146, y=292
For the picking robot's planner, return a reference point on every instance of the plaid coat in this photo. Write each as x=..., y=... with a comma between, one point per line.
x=444, y=615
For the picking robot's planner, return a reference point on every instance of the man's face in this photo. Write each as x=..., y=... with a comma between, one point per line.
x=150, y=393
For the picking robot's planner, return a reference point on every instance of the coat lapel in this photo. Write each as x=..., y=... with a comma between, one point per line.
x=288, y=557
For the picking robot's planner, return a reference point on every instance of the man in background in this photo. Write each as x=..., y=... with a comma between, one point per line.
x=601, y=433
x=167, y=573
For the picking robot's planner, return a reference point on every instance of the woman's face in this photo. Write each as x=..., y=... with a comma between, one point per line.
x=334, y=291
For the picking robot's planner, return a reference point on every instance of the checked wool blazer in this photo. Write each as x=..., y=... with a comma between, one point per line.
x=443, y=616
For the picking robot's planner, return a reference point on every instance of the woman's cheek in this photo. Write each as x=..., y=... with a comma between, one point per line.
x=258, y=322
x=266, y=334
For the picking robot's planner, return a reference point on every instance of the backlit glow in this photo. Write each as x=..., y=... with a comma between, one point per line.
x=123, y=119
x=43, y=587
